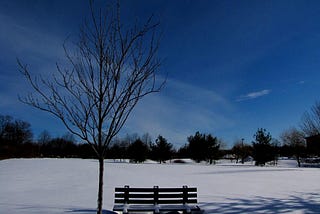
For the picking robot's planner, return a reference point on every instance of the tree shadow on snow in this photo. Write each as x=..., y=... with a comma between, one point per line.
x=308, y=204
x=250, y=170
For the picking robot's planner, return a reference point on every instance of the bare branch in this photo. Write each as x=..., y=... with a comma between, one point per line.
x=310, y=123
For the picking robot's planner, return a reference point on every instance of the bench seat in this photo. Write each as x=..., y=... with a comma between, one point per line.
x=153, y=208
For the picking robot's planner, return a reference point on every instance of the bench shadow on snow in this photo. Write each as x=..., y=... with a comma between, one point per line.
x=89, y=211
x=309, y=204
x=84, y=211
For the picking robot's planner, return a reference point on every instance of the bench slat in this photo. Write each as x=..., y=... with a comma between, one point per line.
x=189, y=195
x=189, y=201
x=130, y=195
x=188, y=189
x=148, y=195
x=144, y=201
x=151, y=208
x=134, y=201
x=134, y=207
x=133, y=189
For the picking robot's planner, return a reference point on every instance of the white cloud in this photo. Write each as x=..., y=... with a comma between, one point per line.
x=254, y=95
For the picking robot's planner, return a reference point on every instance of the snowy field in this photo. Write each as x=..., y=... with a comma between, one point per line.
x=69, y=186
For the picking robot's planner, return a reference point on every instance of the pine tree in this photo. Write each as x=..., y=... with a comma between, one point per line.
x=161, y=150
x=263, y=150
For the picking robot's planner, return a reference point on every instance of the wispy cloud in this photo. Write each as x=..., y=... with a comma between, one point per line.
x=253, y=95
x=179, y=111
x=34, y=46
x=29, y=41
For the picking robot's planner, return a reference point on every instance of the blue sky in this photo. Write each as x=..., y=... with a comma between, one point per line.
x=233, y=66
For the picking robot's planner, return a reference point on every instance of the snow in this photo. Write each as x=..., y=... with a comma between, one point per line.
x=69, y=186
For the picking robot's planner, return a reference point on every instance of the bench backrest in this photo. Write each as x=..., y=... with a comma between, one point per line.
x=155, y=195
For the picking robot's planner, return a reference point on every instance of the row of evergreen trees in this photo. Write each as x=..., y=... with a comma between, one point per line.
x=200, y=147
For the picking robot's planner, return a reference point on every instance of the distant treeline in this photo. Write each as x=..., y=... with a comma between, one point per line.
x=16, y=141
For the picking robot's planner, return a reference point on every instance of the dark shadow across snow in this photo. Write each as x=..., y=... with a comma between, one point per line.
x=309, y=204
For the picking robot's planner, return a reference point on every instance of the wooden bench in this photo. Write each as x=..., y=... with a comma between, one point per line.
x=156, y=200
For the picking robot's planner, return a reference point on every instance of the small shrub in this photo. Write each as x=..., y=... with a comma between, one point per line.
x=179, y=161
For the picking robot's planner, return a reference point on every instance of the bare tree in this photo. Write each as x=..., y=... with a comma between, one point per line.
x=295, y=139
x=44, y=137
x=241, y=150
x=310, y=124
x=112, y=68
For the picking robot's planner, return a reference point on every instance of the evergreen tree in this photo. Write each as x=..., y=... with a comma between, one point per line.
x=197, y=147
x=183, y=152
x=263, y=150
x=161, y=150
x=138, y=151
x=213, y=147
x=203, y=147
x=118, y=150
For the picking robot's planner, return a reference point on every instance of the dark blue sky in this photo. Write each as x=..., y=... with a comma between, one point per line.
x=233, y=66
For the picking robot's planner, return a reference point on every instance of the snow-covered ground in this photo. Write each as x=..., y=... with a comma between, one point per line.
x=69, y=186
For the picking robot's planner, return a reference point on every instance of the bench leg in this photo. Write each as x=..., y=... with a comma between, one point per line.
x=125, y=211
x=156, y=209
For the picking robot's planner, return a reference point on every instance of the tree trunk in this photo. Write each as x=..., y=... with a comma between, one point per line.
x=298, y=160
x=100, y=191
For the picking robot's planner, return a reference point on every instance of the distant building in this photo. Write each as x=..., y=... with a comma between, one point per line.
x=313, y=145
